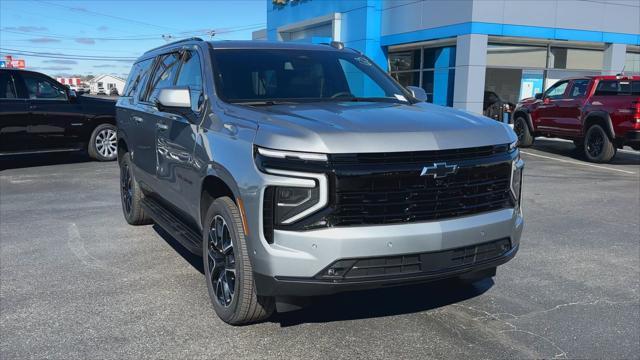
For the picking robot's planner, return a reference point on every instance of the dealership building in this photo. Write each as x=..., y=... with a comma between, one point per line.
x=459, y=49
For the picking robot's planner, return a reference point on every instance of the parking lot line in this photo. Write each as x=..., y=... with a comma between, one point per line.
x=578, y=163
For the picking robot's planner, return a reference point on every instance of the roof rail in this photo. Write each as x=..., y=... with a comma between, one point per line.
x=174, y=43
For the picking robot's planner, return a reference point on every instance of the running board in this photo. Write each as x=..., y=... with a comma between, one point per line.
x=182, y=232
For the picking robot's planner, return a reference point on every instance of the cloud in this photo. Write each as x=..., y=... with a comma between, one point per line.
x=65, y=62
x=103, y=28
x=26, y=28
x=43, y=40
x=86, y=41
x=103, y=66
x=55, y=68
x=80, y=9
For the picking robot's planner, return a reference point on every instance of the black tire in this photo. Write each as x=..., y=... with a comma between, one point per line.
x=228, y=271
x=597, y=146
x=521, y=128
x=103, y=144
x=131, y=195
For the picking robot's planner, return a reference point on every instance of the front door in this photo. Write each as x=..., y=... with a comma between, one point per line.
x=547, y=110
x=176, y=137
x=56, y=120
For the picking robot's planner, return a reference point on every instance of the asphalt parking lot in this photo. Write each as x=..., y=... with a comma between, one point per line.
x=77, y=282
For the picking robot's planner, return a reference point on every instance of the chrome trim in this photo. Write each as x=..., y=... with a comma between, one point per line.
x=281, y=154
x=323, y=197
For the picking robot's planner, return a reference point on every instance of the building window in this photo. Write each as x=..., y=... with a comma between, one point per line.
x=516, y=71
x=632, y=63
x=432, y=68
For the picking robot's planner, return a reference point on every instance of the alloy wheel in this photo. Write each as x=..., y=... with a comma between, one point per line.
x=221, y=261
x=126, y=188
x=519, y=129
x=595, y=143
x=106, y=143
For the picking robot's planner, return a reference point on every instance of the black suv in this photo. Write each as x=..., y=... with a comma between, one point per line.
x=38, y=114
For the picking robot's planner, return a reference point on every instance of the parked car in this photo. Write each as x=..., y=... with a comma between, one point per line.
x=291, y=179
x=38, y=114
x=599, y=113
x=494, y=107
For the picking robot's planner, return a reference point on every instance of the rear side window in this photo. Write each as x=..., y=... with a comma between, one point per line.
x=617, y=87
x=164, y=74
x=7, y=86
x=139, y=73
x=43, y=89
x=579, y=88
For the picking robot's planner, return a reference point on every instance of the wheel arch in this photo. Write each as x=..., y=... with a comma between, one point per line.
x=524, y=113
x=601, y=118
x=214, y=185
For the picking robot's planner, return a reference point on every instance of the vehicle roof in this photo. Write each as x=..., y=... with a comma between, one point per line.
x=242, y=44
x=263, y=44
x=604, y=77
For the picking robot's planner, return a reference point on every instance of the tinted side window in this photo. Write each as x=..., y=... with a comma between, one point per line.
x=557, y=91
x=139, y=73
x=190, y=75
x=579, y=88
x=42, y=88
x=7, y=87
x=164, y=74
x=617, y=87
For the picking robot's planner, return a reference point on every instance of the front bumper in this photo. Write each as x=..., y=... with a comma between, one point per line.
x=292, y=264
x=297, y=286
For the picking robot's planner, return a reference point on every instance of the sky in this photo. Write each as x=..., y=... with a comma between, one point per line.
x=96, y=37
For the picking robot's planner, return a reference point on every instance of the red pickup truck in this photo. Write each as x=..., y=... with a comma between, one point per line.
x=599, y=113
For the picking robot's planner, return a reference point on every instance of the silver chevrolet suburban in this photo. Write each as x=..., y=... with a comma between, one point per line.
x=297, y=170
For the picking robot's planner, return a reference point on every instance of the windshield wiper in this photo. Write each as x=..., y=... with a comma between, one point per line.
x=264, y=102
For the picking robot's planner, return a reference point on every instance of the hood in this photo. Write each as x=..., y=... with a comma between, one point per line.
x=348, y=127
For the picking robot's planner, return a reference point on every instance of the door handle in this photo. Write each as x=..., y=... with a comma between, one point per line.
x=162, y=126
x=137, y=119
x=34, y=107
x=232, y=129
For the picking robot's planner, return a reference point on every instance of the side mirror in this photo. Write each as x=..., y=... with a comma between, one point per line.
x=174, y=98
x=418, y=93
x=538, y=96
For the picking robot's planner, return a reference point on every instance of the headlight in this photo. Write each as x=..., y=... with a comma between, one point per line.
x=296, y=155
x=292, y=203
x=516, y=180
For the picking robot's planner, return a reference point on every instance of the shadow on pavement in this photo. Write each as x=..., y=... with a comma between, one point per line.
x=567, y=149
x=44, y=159
x=193, y=260
x=384, y=302
x=363, y=304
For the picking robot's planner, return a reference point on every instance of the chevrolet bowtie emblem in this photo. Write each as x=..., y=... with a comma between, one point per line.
x=439, y=170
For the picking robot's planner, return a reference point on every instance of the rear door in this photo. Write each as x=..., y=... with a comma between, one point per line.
x=148, y=118
x=56, y=121
x=547, y=111
x=14, y=120
x=176, y=140
x=567, y=120
x=138, y=135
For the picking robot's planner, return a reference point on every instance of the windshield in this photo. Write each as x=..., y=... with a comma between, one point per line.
x=276, y=75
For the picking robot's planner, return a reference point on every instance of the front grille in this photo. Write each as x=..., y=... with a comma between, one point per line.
x=412, y=157
x=415, y=264
x=404, y=196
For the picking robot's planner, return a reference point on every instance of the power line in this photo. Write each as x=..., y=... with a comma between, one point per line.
x=63, y=56
x=199, y=32
x=102, y=14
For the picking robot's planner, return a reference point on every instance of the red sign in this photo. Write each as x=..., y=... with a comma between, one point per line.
x=11, y=63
